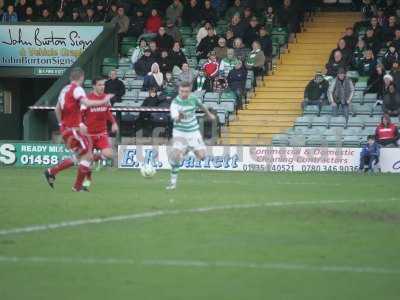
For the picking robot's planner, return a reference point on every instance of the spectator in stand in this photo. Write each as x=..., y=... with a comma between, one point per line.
x=270, y=17
x=221, y=49
x=187, y=74
x=395, y=73
x=236, y=8
x=334, y=65
x=229, y=37
x=387, y=81
x=247, y=15
x=90, y=15
x=380, y=16
x=208, y=13
x=10, y=16
x=153, y=23
x=112, y=12
x=200, y=81
x=369, y=156
x=138, y=52
x=145, y=6
x=315, y=92
x=251, y=33
x=377, y=29
x=346, y=52
x=191, y=16
x=203, y=32
x=174, y=12
x=165, y=62
x=350, y=39
x=241, y=51
x=114, y=86
x=391, y=102
x=100, y=11
x=76, y=17
x=145, y=120
x=29, y=14
x=169, y=87
x=163, y=40
x=387, y=133
x=237, y=82
x=389, y=30
x=266, y=45
x=38, y=7
x=371, y=42
x=46, y=16
x=376, y=82
x=396, y=40
x=207, y=44
x=137, y=23
x=173, y=31
x=390, y=57
x=210, y=68
x=154, y=79
x=60, y=16
x=287, y=17
x=358, y=54
x=177, y=56
x=155, y=52
x=256, y=60
x=229, y=62
x=20, y=9
x=220, y=84
x=340, y=94
x=237, y=26
x=143, y=65
x=368, y=64
x=123, y=23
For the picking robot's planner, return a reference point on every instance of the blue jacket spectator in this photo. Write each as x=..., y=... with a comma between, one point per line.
x=10, y=16
x=369, y=157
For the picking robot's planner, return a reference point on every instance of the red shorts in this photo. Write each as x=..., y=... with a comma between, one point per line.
x=100, y=141
x=76, y=142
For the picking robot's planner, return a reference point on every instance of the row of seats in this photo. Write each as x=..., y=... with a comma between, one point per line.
x=340, y=121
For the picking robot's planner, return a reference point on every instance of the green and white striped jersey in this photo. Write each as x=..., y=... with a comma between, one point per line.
x=188, y=107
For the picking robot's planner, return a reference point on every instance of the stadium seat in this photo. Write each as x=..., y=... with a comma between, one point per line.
x=303, y=121
x=339, y=121
x=141, y=96
x=321, y=121
x=372, y=121
x=351, y=141
x=377, y=110
x=130, y=74
x=361, y=109
x=280, y=140
x=311, y=110
x=228, y=106
x=315, y=141
x=326, y=110
x=356, y=121
x=130, y=95
x=109, y=63
x=127, y=44
x=370, y=98
x=211, y=97
x=297, y=140
x=334, y=131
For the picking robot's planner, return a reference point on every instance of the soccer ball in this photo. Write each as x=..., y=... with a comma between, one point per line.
x=147, y=170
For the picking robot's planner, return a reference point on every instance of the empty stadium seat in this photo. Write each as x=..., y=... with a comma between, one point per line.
x=361, y=109
x=303, y=121
x=321, y=121
x=339, y=121
x=311, y=110
x=356, y=121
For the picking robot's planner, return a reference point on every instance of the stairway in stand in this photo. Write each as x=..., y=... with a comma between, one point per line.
x=276, y=102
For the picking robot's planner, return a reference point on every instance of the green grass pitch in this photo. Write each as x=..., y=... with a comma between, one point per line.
x=221, y=235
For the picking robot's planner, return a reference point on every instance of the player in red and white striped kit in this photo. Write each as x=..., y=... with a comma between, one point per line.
x=73, y=130
x=96, y=120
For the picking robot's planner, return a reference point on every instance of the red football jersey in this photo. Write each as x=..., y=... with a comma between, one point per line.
x=70, y=100
x=97, y=117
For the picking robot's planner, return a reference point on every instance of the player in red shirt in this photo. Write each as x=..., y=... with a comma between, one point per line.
x=72, y=129
x=96, y=120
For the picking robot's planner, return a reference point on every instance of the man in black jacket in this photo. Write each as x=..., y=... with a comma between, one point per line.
x=143, y=65
x=237, y=82
x=115, y=86
x=315, y=92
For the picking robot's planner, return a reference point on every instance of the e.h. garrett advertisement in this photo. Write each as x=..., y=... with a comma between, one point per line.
x=275, y=159
x=44, y=46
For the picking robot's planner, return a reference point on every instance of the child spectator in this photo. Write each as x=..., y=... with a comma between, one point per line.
x=369, y=156
x=210, y=68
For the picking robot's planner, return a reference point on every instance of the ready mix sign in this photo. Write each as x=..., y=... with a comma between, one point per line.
x=44, y=46
x=32, y=154
x=275, y=159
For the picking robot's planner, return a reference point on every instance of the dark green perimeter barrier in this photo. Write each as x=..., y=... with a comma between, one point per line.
x=37, y=124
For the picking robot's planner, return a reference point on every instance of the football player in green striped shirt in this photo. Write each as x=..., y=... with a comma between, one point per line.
x=186, y=135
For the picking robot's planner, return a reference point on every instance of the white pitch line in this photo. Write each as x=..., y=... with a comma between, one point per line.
x=199, y=264
x=158, y=213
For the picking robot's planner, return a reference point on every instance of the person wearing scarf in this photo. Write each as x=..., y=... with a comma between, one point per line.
x=154, y=79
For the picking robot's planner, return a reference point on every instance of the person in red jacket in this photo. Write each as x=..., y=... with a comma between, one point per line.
x=211, y=69
x=153, y=22
x=387, y=133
